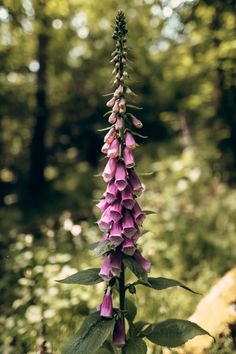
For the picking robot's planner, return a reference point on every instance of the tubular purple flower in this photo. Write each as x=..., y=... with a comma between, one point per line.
x=111, y=193
x=111, y=102
x=119, y=333
x=116, y=234
x=128, y=157
x=136, y=122
x=115, y=108
x=119, y=123
x=142, y=261
x=116, y=263
x=128, y=247
x=113, y=150
x=128, y=225
x=121, y=176
x=106, y=308
x=118, y=91
x=112, y=118
x=127, y=198
x=105, y=148
x=103, y=205
x=105, y=222
x=110, y=136
x=122, y=103
x=135, y=182
x=110, y=170
x=105, y=272
x=115, y=212
x=129, y=141
x=138, y=214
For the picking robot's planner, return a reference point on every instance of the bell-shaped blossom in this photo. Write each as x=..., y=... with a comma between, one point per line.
x=128, y=246
x=129, y=141
x=119, y=333
x=136, y=122
x=110, y=170
x=113, y=150
x=118, y=91
x=122, y=103
x=105, y=272
x=111, y=193
x=128, y=224
x=112, y=118
x=121, y=176
x=128, y=158
x=116, y=106
x=135, y=182
x=138, y=214
x=116, y=262
x=119, y=123
x=115, y=211
x=127, y=198
x=103, y=205
x=110, y=136
x=116, y=233
x=105, y=148
x=106, y=308
x=111, y=102
x=105, y=221
x=142, y=261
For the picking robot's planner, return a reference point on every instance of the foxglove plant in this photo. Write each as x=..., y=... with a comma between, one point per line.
x=120, y=222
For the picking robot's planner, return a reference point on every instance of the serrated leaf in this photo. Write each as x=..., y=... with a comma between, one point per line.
x=85, y=277
x=173, y=332
x=104, y=247
x=131, y=310
x=136, y=269
x=93, y=333
x=149, y=212
x=135, y=345
x=161, y=283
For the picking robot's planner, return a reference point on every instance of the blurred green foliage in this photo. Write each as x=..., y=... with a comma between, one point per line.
x=182, y=65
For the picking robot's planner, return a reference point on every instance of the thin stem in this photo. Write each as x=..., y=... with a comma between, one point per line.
x=122, y=294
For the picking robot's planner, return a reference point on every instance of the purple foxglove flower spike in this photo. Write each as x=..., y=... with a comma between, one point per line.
x=142, y=261
x=110, y=170
x=105, y=222
x=129, y=141
x=128, y=157
x=111, y=193
x=121, y=176
x=119, y=333
x=106, y=308
x=103, y=205
x=105, y=272
x=128, y=225
x=127, y=198
x=113, y=150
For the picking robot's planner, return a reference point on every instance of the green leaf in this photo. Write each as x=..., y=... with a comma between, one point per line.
x=139, y=325
x=139, y=135
x=85, y=277
x=106, y=348
x=104, y=129
x=149, y=212
x=131, y=310
x=104, y=247
x=145, y=173
x=106, y=114
x=133, y=106
x=136, y=269
x=164, y=283
x=173, y=332
x=135, y=345
x=93, y=332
